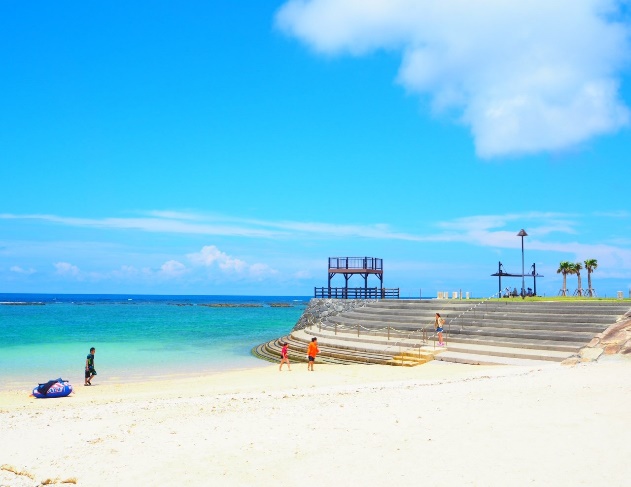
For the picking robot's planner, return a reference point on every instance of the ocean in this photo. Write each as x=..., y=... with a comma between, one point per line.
x=137, y=337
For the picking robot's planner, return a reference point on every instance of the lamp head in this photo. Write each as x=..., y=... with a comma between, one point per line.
x=522, y=233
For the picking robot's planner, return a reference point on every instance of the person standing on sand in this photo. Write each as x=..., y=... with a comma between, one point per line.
x=89, y=367
x=438, y=324
x=284, y=359
x=312, y=351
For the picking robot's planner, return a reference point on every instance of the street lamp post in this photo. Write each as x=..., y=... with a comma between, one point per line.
x=522, y=233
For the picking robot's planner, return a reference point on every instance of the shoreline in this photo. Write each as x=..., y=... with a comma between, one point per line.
x=109, y=377
x=227, y=380
x=447, y=424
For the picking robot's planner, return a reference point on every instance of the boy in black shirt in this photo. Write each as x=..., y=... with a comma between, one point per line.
x=89, y=367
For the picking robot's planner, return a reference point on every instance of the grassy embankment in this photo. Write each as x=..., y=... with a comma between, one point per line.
x=563, y=299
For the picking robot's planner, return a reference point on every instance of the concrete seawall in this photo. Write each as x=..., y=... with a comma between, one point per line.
x=503, y=331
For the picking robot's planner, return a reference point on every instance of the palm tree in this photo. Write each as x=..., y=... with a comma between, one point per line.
x=571, y=270
x=576, y=269
x=565, y=268
x=590, y=265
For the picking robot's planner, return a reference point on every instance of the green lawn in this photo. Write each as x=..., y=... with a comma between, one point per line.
x=562, y=298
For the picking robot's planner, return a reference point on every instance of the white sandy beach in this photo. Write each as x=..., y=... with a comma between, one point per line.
x=437, y=424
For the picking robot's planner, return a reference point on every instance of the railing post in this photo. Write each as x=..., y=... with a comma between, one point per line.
x=388, y=333
x=357, y=330
x=336, y=328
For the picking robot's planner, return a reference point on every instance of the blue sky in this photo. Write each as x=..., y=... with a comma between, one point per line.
x=213, y=147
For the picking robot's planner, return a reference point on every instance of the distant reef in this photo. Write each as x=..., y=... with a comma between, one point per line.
x=20, y=303
x=236, y=305
x=231, y=305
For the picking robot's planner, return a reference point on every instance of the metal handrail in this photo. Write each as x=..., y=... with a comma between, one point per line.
x=369, y=263
x=356, y=293
x=484, y=301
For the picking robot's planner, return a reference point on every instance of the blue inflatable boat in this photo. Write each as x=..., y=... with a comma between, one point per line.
x=53, y=388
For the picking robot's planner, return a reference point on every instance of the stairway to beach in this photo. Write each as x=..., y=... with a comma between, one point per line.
x=401, y=332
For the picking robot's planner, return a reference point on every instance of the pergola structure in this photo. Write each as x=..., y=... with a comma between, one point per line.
x=350, y=266
x=533, y=273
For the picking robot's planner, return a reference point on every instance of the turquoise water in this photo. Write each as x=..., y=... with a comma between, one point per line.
x=136, y=337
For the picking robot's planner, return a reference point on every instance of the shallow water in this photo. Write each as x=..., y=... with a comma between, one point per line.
x=135, y=337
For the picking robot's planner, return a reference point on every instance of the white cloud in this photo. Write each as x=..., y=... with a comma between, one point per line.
x=125, y=271
x=524, y=76
x=172, y=268
x=207, y=225
x=158, y=223
x=548, y=231
x=67, y=269
x=19, y=270
x=490, y=231
x=303, y=275
x=210, y=256
x=230, y=264
x=261, y=271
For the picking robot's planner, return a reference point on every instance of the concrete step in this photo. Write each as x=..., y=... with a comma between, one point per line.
x=533, y=322
x=402, y=362
x=270, y=352
x=411, y=359
x=420, y=354
x=557, y=312
x=555, y=333
x=508, y=352
x=574, y=315
x=475, y=359
x=517, y=332
x=415, y=339
x=488, y=348
x=377, y=351
x=484, y=348
x=509, y=304
x=561, y=346
x=532, y=335
x=329, y=352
